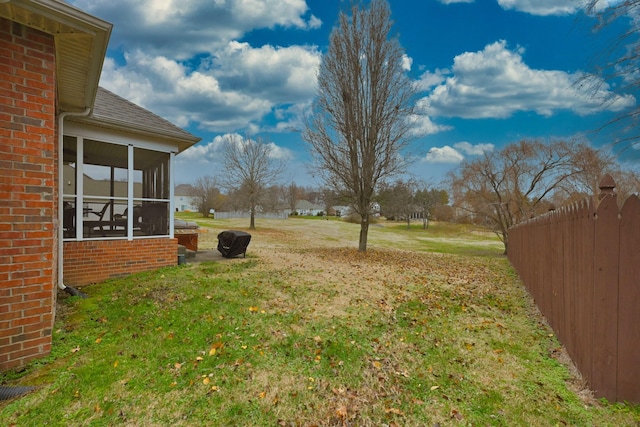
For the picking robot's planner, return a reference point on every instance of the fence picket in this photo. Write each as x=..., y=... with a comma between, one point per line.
x=629, y=305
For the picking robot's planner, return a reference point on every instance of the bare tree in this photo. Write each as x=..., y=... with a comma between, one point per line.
x=360, y=122
x=397, y=200
x=251, y=168
x=292, y=195
x=205, y=190
x=427, y=200
x=617, y=66
x=505, y=187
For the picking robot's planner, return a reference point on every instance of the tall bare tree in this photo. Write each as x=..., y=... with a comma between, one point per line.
x=251, y=169
x=360, y=122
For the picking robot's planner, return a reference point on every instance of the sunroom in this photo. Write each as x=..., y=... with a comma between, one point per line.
x=117, y=190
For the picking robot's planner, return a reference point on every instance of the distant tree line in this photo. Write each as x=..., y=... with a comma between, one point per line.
x=496, y=190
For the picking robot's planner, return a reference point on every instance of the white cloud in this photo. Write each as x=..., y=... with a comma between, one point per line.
x=283, y=74
x=444, y=154
x=422, y=125
x=428, y=79
x=240, y=86
x=496, y=83
x=184, y=28
x=456, y=154
x=473, y=150
x=542, y=7
x=456, y=1
x=407, y=61
x=181, y=59
x=211, y=152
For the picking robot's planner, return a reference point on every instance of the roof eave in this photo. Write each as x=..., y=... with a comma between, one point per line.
x=81, y=42
x=183, y=141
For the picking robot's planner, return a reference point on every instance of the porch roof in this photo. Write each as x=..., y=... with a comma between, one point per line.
x=80, y=42
x=114, y=112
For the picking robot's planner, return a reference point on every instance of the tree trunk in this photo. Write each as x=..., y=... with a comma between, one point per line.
x=408, y=222
x=364, y=231
x=252, y=222
x=505, y=240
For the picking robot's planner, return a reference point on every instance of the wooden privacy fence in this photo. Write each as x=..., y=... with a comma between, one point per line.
x=581, y=264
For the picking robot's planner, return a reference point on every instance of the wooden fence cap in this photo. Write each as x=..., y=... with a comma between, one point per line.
x=607, y=183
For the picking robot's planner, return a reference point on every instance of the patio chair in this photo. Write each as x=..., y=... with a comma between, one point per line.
x=100, y=214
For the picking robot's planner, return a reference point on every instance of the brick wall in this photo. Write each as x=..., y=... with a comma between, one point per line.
x=27, y=193
x=97, y=260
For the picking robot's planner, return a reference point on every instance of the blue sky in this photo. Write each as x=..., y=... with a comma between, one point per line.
x=491, y=72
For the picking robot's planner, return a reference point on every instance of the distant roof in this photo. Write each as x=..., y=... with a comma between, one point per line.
x=307, y=205
x=183, y=190
x=113, y=111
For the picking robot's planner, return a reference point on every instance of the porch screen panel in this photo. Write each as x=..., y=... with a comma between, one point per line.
x=69, y=186
x=151, y=175
x=105, y=190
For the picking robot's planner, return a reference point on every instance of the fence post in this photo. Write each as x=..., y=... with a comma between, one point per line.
x=605, y=294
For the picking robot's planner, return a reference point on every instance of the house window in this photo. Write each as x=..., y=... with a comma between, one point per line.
x=114, y=190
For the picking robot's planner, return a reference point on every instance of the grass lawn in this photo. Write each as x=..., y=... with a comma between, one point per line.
x=428, y=328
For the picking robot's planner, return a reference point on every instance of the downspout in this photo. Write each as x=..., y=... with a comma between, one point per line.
x=61, y=284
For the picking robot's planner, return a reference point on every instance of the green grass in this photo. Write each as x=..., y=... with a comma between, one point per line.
x=454, y=341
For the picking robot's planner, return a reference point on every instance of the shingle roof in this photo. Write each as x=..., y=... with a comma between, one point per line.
x=114, y=109
x=183, y=190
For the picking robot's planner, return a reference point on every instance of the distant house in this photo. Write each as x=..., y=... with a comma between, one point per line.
x=306, y=208
x=85, y=176
x=184, y=200
x=339, y=210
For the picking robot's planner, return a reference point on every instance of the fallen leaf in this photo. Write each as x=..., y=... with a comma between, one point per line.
x=75, y=350
x=215, y=347
x=341, y=412
x=435, y=387
x=455, y=414
x=393, y=411
x=115, y=364
x=253, y=309
x=262, y=395
x=206, y=381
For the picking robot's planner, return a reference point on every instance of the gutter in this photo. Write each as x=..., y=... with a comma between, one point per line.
x=61, y=284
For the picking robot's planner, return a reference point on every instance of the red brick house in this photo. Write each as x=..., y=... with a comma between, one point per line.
x=86, y=190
